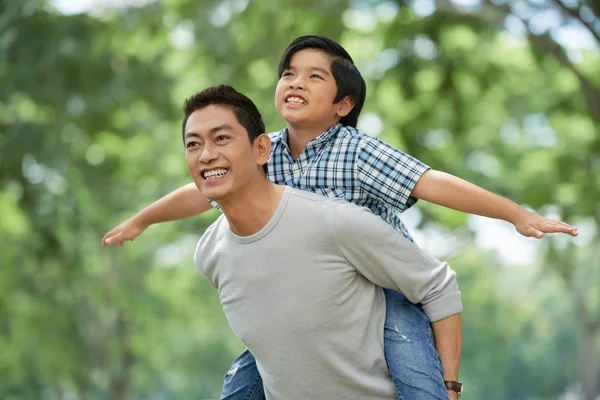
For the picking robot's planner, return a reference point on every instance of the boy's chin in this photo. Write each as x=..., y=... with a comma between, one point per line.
x=294, y=119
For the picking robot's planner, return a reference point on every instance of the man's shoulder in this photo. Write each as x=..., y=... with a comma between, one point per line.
x=304, y=197
x=214, y=233
x=323, y=206
x=334, y=215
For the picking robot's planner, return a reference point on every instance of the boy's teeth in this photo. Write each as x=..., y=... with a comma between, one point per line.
x=296, y=100
x=215, y=173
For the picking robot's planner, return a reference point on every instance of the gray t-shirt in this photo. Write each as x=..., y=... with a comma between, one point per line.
x=302, y=294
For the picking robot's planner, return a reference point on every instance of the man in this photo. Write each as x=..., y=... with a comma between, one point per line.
x=297, y=273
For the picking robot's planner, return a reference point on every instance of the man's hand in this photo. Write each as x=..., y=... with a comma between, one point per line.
x=452, y=395
x=127, y=230
x=532, y=225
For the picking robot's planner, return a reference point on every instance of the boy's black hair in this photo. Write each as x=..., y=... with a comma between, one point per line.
x=243, y=108
x=347, y=77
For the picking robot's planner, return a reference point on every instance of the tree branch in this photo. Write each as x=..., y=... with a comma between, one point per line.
x=546, y=45
x=591, y=93
x=573, y=13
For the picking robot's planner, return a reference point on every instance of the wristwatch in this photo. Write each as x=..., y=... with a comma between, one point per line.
x=454, y=386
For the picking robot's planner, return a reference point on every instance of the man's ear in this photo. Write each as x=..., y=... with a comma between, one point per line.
x=345, y=105
x=262, y=148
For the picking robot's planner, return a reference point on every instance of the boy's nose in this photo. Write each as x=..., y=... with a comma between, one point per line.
x=297, y=84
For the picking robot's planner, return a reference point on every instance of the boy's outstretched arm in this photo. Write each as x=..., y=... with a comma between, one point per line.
x=184, y=202
x=450, y=191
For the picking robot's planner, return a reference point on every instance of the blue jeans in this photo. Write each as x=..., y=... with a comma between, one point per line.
x=409, y=351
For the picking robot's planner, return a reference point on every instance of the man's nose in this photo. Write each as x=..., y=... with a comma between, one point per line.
x=209, y=153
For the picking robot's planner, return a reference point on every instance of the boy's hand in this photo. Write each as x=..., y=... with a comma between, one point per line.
x=532, y=225
x=127, y=230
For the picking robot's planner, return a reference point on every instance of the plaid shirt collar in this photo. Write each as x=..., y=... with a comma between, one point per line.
x=282, y=136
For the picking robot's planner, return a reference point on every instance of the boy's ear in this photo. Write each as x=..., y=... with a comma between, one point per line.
x=345, y=105
x=262, y=148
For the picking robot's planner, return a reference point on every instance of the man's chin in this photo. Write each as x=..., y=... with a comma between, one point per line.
x=214, y=195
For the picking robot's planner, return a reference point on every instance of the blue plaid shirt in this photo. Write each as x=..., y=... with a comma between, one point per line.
x=345, y=162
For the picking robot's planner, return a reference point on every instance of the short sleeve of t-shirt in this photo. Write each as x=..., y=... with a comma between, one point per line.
x=388, y=174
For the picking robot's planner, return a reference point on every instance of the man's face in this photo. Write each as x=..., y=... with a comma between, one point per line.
x=306, y=90
x=218, y=152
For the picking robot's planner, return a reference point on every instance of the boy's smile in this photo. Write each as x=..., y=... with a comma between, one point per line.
x=295, y=100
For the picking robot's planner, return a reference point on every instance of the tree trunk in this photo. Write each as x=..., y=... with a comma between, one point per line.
x=589, y=362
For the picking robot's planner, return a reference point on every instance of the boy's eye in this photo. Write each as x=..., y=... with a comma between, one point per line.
x=286, y=74
x=316, y=76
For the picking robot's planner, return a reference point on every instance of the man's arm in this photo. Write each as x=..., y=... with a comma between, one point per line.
x=448, y=342
x=449, y=191
x=184, y=202
x=388, y=259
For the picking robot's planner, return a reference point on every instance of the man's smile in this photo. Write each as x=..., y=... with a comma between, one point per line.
x=214, y=173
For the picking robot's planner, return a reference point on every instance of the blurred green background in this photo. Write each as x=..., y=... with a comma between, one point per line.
x=503, y=93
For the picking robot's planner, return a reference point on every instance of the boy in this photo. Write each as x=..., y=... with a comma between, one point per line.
x=320, y=95
x=295, y=271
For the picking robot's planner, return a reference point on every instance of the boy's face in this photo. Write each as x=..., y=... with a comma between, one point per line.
x=306, y=90
x=219, y=154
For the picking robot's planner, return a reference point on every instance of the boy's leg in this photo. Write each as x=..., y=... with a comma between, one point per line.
x=243, y=381
x=410, y=350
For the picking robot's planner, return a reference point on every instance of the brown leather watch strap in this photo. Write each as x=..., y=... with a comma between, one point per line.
x=454, y=386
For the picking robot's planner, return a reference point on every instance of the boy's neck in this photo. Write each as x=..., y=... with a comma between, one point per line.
x=251, y=211
x=298, y=137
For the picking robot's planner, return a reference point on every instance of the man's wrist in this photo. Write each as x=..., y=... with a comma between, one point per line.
x=454, y=387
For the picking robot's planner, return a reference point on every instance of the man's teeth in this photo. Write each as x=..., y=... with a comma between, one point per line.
x=295, y=100
x=215, y=173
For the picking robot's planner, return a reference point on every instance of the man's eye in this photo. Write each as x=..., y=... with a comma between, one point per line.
x=222, y=137
x=191, y=144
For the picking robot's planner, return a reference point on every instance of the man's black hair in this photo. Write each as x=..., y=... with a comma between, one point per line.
x=347, y=77
x=243, y=108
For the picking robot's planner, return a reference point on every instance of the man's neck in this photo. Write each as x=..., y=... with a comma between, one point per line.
x=249, y=213
x=298, y=137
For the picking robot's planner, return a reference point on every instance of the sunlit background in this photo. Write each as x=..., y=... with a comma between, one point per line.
x=503, y=93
